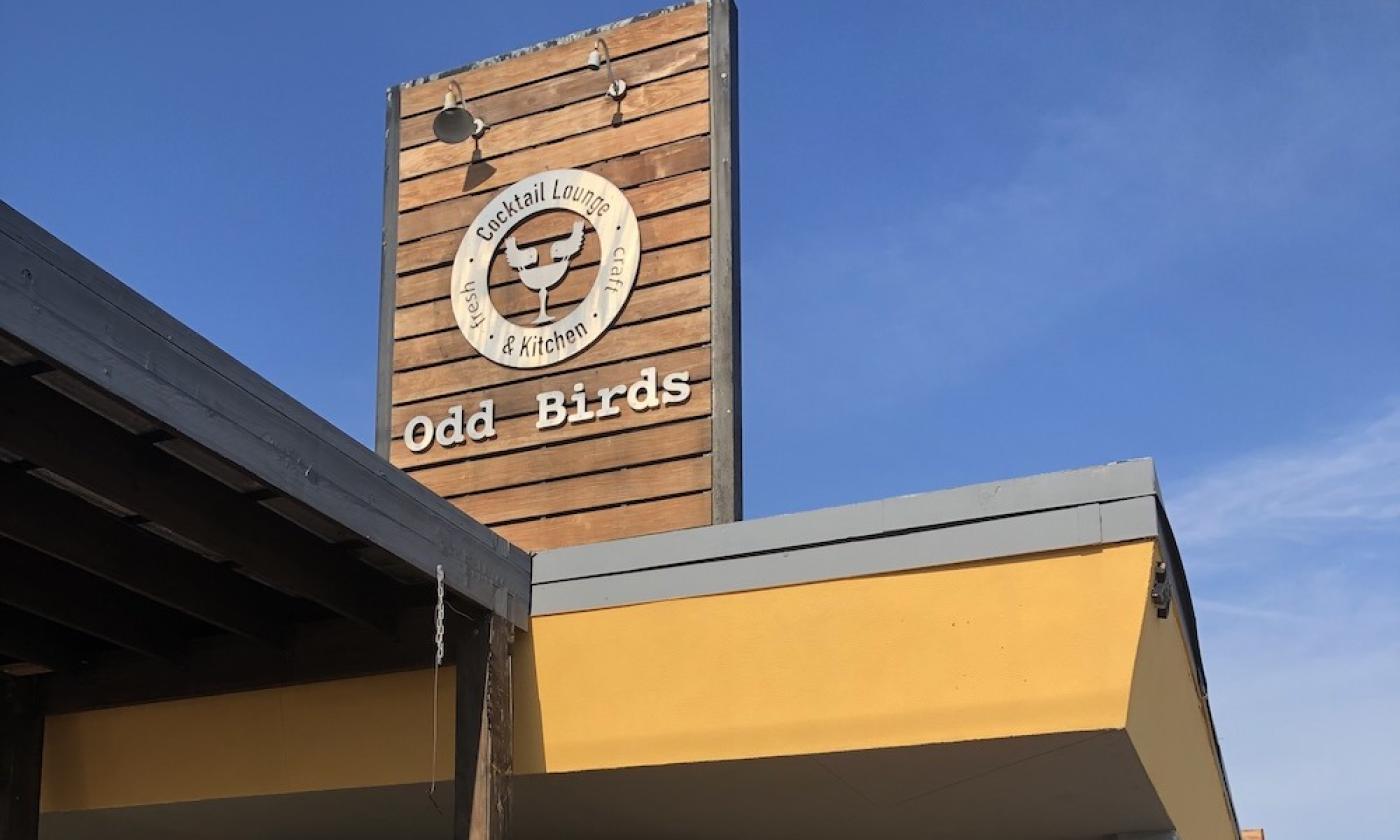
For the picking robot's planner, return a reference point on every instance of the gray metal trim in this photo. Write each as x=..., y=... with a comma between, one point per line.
x=726, y=452
x=552, y=42
x=84, y=319
x=1047, y=530
x=997, y=499
x=388, y=279
x=1128, y=519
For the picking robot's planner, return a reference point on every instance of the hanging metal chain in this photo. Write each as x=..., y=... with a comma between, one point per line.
x=439, y=635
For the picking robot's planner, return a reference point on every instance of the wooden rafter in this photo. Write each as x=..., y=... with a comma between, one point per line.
x=51, y=431
x=60, y=525
x=39, y=585
x=28, y=638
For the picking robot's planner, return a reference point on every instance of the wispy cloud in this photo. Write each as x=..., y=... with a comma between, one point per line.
x=1296, y=555
x=1137, y=188
x=1347, y=481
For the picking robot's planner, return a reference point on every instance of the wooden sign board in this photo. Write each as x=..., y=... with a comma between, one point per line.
x=616, y=413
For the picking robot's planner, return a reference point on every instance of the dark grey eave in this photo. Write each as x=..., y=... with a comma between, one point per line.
x=85, y=320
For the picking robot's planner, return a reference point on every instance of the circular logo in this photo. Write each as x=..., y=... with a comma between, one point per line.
x=602, y=212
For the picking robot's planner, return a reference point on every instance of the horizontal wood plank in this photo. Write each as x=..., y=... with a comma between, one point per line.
x=647, y=202
x=436, y=315
x=590, y=115
x=656, y=267
x=638, y=472
x=516, y=299
x=520, y=432
x=633, y=520
x=659, y=231
x=617, y=344
x=658, y=443
x=573, y=153
x=689, y=155
x=518, y=398
x=567, y=495
x=583, y=83
x=646, y=304
x=657, y=264
x=556, y=60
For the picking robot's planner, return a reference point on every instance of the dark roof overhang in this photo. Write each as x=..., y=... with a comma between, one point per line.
x=172, y=522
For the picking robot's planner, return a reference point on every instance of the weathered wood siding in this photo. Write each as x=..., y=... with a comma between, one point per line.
x=637, y=473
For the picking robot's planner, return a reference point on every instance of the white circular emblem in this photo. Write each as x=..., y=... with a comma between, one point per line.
x=603, y=212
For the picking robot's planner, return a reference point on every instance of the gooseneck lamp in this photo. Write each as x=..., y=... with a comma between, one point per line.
x=454, y=123
x=600, y=57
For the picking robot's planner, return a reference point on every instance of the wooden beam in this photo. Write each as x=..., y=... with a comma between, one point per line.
x=21, y=757
x=47, y=429
x=327, y=649
x=471, y=652
x=481, y=806
x=727, y=496
x=56, y=523
x=28, y=638
x=498, y=730
x=40, y=585
x=61, y=306
x=23, y=370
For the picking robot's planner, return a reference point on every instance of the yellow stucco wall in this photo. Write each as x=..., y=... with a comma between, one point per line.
x=1028, y=645
x=1169, y=725
x=319, y=736
x=1034, y=644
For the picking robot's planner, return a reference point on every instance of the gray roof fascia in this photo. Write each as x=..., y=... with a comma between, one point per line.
x=923, y=511
x=987, y=539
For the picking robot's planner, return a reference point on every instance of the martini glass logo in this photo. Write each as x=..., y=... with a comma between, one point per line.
x=541, y=278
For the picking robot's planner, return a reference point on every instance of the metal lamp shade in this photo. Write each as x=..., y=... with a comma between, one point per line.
x=454, y=124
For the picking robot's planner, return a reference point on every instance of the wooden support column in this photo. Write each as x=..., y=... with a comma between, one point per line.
x=21, y=757
x=481, y=797
x=498, y=729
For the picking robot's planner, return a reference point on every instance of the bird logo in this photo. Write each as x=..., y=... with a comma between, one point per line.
x=599, y=216
x=541, y=278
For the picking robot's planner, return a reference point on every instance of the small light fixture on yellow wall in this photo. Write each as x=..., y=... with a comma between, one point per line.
x=454, y=123
x=599, y=57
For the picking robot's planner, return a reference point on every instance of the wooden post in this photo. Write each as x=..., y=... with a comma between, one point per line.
x=498, y=728
x=482, y=764
x=21, y=757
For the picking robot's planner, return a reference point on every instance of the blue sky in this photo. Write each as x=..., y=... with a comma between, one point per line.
x=980, y=241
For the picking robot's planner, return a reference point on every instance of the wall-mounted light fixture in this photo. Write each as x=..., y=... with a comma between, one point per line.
x=617, y=88
x=454, y=123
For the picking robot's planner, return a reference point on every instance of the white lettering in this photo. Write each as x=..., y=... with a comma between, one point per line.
x=449, y=431
x=646, y=385
x=647, y=392
x=581, y=413
x=606, y=397
x=482, y=424
x=677, y=387
x=552, y=410
x=418, y=433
